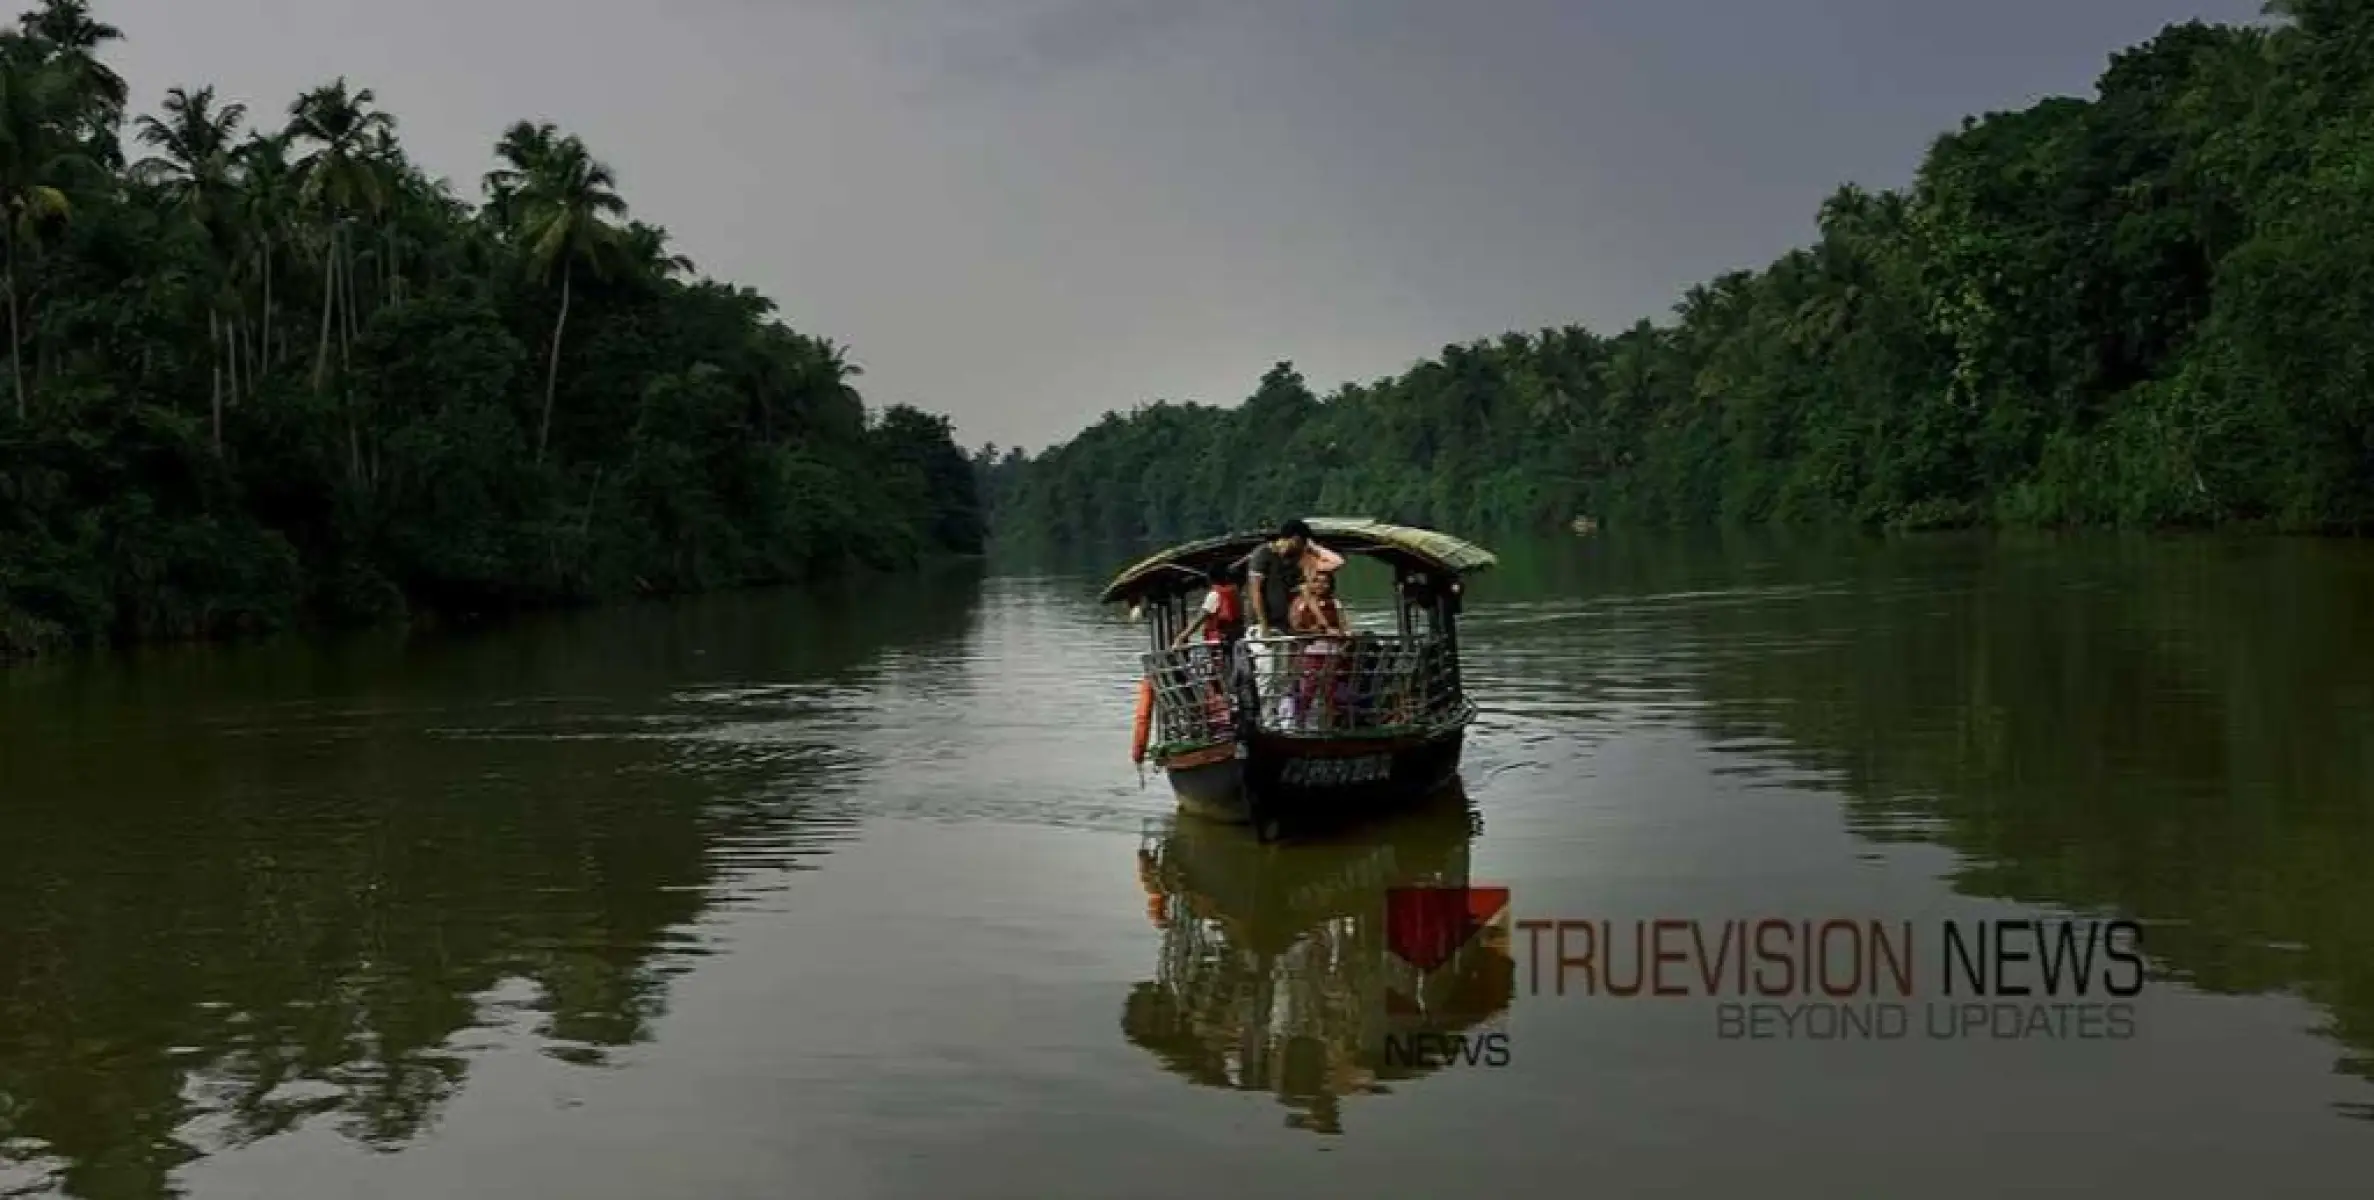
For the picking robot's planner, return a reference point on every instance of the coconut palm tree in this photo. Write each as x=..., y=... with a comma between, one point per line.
x=646, y=248
x=403, y=189
x=521, y=148
x=267, y=201
x=67, y=29
x=432, y=234
x=39, y=158
x=339, y=178
x=564, y=200
x=197, y=143
x=62, y=33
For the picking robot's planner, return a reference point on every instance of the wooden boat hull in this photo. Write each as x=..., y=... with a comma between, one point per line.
x=1294, y=780
x=1272, y=895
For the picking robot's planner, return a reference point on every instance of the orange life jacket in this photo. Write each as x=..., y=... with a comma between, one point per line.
x=1142, y=726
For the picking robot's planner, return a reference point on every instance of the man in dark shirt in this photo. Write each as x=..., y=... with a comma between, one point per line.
x=1274, y=573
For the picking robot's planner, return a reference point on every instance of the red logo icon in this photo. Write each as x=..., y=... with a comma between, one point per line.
x=1427, y=925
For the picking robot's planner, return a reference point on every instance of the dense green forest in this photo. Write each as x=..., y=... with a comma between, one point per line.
x=2151, y=308
x=264, y=370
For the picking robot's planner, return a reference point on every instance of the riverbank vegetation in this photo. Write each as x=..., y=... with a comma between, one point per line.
x=263, y=369
x=2149, y=308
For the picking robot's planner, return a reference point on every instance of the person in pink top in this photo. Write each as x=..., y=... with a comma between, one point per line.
x=1319, y=617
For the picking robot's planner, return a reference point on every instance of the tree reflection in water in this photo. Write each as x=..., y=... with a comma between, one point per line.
x=1275, y=972
x=245, y=891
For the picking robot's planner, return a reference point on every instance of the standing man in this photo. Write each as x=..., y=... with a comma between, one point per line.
x=1273, y=577
x=1275, y=572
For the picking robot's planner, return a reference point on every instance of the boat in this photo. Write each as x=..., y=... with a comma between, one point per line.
x=1257, y=733
x=1278, y=973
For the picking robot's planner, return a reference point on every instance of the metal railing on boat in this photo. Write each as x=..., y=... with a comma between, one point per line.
x=1363, y=684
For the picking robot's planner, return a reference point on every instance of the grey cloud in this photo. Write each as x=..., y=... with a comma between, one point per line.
x=1055, y=38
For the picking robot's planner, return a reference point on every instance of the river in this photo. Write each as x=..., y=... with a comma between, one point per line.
x=852, y=892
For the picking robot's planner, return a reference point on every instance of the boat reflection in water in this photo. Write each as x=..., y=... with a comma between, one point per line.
x=1277, y=972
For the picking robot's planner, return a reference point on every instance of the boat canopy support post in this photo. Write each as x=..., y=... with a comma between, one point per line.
x=1162, y=621
x=1446, y=601
x=1402, y=600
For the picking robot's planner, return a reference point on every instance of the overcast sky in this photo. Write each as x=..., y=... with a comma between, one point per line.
x=1022, y=213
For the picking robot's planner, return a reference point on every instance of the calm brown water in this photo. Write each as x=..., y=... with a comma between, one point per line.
x=853, y=893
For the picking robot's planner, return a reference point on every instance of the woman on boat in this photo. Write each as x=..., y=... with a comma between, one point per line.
x=1316, y=615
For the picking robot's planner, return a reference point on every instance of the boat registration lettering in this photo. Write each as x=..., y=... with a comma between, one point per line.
x=1337, y=772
